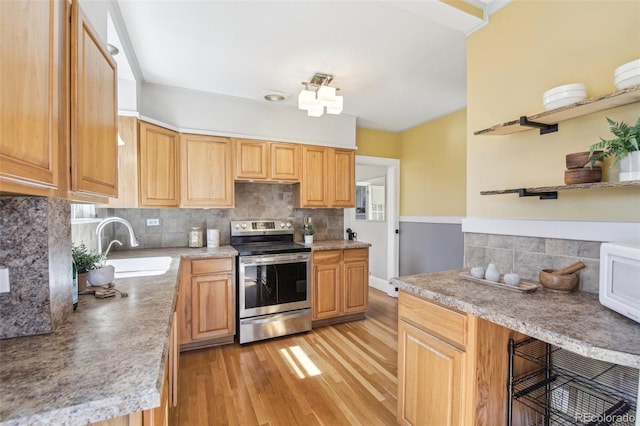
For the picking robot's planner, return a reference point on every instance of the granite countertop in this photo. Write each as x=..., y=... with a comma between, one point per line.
x=106, y=361
x=337, y=245
x=575, y=321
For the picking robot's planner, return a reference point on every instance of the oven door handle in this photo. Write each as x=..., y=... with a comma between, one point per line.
x=275, y=317
x=270, y=260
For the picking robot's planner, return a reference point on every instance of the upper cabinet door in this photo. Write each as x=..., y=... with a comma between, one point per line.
x=32, y=48
x=252, y=158
x=285, y=162
x=94, y=104
x=314, y=185
x=206, y=171
x=158, y=163
x=342, y=178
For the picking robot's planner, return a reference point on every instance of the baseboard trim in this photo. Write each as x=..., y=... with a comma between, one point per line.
x=382, y=285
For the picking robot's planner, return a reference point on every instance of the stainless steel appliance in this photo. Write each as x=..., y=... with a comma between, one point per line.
x=274, y=280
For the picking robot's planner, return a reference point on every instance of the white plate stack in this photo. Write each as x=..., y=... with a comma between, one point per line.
x=627, y=75
x=564, y=95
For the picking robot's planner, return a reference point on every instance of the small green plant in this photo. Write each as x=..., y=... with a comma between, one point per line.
x=85, y=260
x=308, y=228
x=626, y=141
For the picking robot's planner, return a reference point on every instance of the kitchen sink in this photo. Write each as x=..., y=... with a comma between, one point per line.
x=140, y=266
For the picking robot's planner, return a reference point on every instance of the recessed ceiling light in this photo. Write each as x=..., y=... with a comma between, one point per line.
x=275, y=96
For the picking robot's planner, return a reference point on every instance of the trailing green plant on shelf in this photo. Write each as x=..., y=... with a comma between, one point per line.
x=307, y=228
x=85, y=260
x=627, y=140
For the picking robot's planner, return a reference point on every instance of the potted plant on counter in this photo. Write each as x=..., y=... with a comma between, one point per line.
x=85, y=261
x=308, y=230
x=625, y=146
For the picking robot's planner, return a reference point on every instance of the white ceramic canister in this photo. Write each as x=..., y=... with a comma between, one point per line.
x=213, y=238
x=492, y=273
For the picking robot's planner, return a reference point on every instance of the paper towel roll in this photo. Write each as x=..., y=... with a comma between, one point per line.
x=213, y=238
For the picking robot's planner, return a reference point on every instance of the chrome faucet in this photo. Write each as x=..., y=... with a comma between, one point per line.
x=133, y=241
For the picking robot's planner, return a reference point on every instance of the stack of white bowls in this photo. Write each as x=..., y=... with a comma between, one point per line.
x=564, y=95
x=627, y=75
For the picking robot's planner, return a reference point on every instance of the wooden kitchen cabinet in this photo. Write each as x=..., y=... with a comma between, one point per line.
x=342, y=178
x=158, y=162
x=94, y=105
x=206, y=169
x=127, y=165
x=32, y=95
x=267, y=161
x=355, y=280
x=452, y=366
x=314, y=185
x=58, y=102
x=206, y=302
x=328, y=178
x=285, y=162
x=326, y=284
x=340, y=285
x=252, y=158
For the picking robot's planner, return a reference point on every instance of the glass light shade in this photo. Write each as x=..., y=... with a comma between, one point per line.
x=336, y=107
x=315, y=111
x=307, y=99
x=326, y=95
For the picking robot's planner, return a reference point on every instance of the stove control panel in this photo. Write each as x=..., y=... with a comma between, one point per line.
x=261, y=227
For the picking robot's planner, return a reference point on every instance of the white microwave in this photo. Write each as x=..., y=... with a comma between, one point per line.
x=620, y=279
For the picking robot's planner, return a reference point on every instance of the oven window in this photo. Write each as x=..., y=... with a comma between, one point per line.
x=267, y=285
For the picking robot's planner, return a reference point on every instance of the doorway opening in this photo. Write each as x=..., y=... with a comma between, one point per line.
x=375, y=219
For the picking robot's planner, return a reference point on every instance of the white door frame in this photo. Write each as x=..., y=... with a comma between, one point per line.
x=393, y=216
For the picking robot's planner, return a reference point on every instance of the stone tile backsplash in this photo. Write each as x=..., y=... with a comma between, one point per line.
x=253, y=201
x=526, y=256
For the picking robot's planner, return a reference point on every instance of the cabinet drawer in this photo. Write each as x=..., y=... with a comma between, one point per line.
x=211, y=265
x=433, y=317
x=356, y=254
x=327, y=256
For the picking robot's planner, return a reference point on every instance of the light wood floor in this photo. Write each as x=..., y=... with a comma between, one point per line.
x=344, y=374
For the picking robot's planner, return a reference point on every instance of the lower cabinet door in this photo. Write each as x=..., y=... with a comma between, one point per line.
x=326, y=291
x=356, y=287
x=212, y=306
x=430, y=379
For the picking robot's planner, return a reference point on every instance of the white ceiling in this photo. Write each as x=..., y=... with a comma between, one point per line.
x=397, y=63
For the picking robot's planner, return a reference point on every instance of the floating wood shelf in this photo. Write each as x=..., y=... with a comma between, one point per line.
x=551, y=192
x=546, y=120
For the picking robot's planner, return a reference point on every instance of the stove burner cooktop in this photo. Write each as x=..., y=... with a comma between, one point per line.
x=254, y=249
x=258, y=237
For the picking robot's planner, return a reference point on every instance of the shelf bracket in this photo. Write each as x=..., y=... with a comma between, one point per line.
x=544, y=128
x=551, y=195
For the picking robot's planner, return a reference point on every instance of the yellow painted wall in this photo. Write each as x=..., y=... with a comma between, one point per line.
x=433, y=167
x=377, y=143
x=527, y=48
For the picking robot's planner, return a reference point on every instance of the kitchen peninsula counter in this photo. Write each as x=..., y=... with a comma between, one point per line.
x=107, y=360
x=575, y=321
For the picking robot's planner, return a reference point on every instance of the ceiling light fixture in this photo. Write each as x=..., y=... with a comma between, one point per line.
x=318, y=95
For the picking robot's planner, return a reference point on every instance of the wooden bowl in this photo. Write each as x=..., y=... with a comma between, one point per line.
x=587, y=175
x=559, y=283
x=578, y=160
